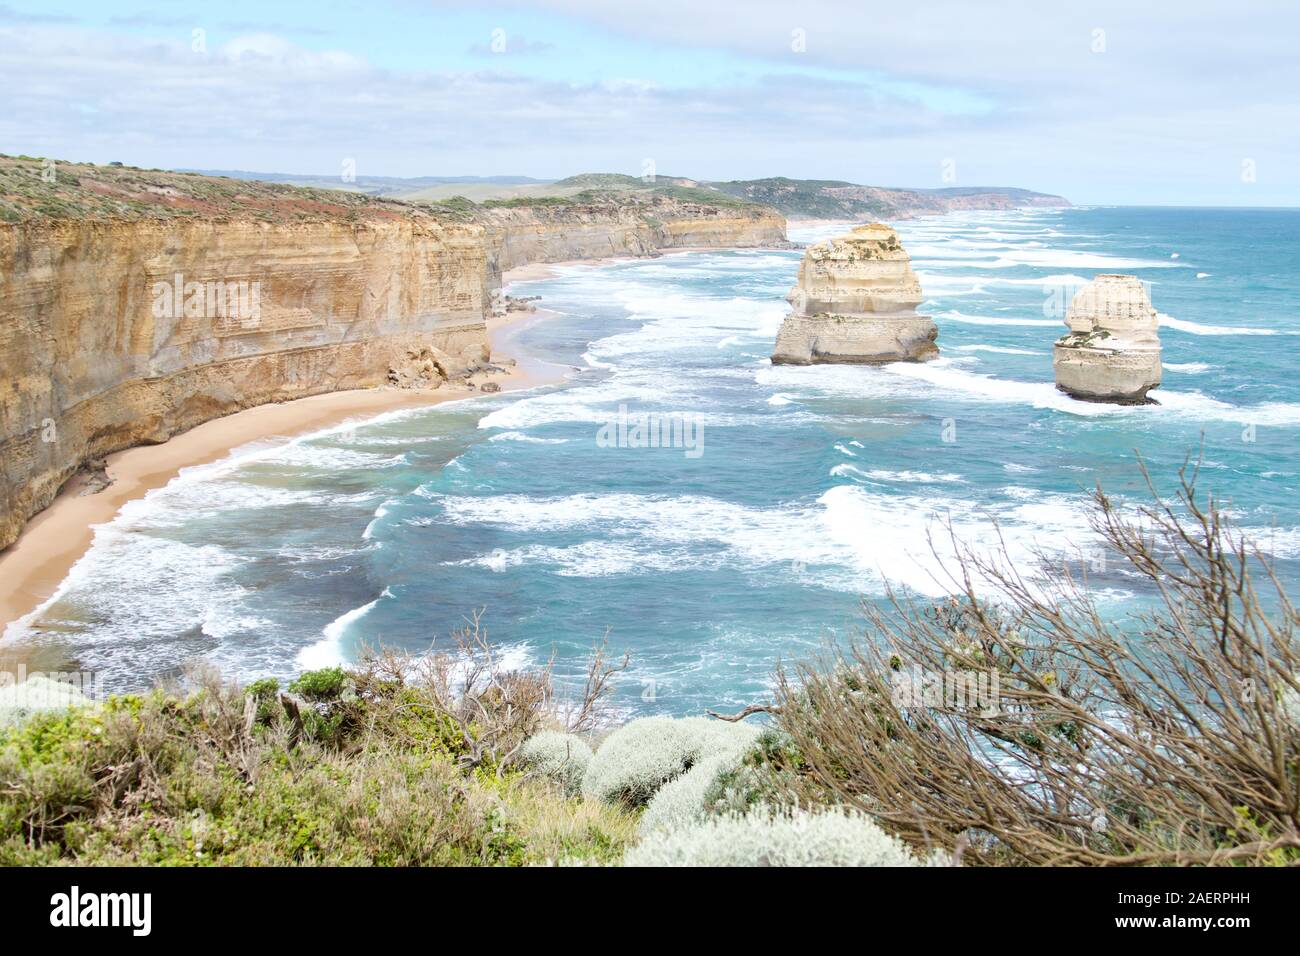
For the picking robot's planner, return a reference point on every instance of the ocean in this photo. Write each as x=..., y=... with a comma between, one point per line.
x=796, y=494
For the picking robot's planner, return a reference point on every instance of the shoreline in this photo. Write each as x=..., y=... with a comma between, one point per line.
x=35, y=566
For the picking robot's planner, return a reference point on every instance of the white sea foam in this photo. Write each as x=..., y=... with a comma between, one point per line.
x=145, y=593
x=861, y=538
x=934, y=283
x=530, y=439
x=1057, y=281
x=1051, y=258
x=318, y=457
x=913, y=382
x=1197, y=328
x=380, y=513
x=882, y=476
x=913, y=477
x=329, y=650
x=640, y=390
x=998, y=349
x=953, y=316
x=594, y=559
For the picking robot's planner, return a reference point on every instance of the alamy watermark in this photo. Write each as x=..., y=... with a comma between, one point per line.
x=87, y=682
x=75, y=908
x=234, y=301
x=976, y=690
x=683, y=430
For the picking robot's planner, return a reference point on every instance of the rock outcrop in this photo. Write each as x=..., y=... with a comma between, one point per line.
x=136, y=304
x=1112, y=351
x=855, y=302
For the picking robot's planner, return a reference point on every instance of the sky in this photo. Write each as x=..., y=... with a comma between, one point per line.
x=1102, y=101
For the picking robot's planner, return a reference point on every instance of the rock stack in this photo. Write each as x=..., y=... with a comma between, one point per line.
x=855, y=302
x=1112, y=351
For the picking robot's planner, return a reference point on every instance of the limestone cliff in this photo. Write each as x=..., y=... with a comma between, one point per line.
x=627, y=225
x=1112, y=351
x=855, y=302
x=135, y=304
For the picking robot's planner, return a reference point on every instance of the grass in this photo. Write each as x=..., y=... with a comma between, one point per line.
x=34, y=189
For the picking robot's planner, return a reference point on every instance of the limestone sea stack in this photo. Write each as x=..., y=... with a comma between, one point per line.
x=855, y=302
x=1112, y=351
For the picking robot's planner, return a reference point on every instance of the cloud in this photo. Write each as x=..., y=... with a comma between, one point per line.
x=1124, y=125
x=1021, y=50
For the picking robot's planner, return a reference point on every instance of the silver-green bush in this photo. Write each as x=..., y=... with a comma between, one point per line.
x=685, y=801
x=559, y=756
x=828, y=838
x=680, y=802
x=639, y=758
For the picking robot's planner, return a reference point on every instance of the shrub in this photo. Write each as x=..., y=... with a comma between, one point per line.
x=826, y=838
x=643, y=755
x=561, y=757
x=486, y=708
x=681, y=802
x=1168, y=739
x=771, y=773
x=328, y=683
x=220, y=774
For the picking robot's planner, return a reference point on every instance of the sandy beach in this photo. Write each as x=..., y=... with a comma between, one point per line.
x=33, y=567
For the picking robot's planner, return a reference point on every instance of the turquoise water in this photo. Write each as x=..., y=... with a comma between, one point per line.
x=811, y=489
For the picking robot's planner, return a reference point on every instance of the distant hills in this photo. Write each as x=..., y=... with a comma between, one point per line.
x=835, y=199
x=793, y=198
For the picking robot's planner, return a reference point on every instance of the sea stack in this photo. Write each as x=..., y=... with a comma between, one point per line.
x=1112, y=351
x=855, y=303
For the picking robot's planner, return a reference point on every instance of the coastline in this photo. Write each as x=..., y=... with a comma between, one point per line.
x=33, y=567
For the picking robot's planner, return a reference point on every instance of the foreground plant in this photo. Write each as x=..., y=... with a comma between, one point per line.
x=766, y=838
x=392, y=762
x=1170, y=738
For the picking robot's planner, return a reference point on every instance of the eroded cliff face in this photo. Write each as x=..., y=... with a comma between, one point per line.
x=1112, y=351
x=136, y=304
x=855, y=302
x=635, y=226
x=99, y=351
